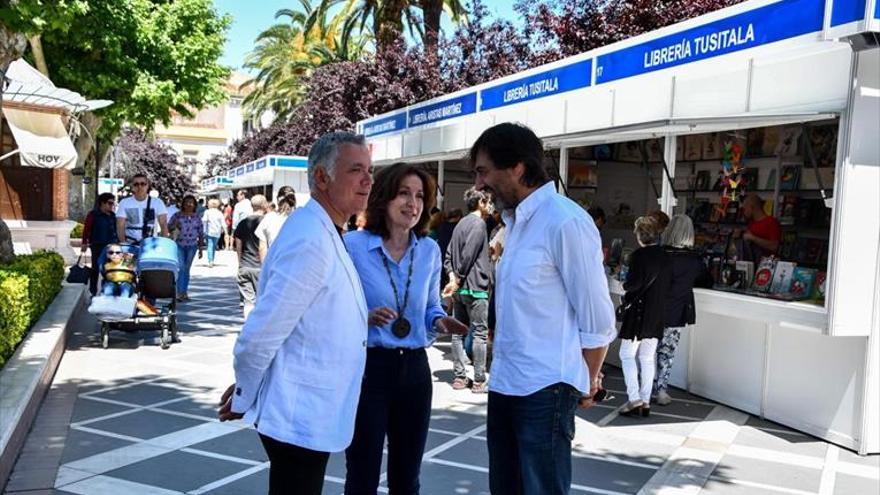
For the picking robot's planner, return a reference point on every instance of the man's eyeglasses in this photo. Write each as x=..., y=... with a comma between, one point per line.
x=138, y=184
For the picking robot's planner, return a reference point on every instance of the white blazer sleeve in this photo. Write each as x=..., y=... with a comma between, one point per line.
x=290, y=282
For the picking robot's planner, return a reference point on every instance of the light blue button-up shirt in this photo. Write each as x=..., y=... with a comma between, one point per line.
x=424, y=305
x=552, y=296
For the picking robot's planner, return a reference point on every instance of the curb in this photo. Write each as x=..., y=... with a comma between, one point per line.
x=29, y=372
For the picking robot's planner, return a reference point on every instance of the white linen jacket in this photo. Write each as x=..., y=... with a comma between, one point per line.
x=299, y=359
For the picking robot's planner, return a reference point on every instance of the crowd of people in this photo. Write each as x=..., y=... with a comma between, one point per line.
x=316, y=379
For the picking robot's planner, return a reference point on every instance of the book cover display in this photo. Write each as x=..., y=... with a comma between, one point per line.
x=782, y=276
x=789, y=177
x=802, y=283
x=764, y=274
x=819, y=286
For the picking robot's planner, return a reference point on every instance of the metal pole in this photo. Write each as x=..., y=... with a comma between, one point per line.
x=441, y=183
x=97, y=167
x=563, y=169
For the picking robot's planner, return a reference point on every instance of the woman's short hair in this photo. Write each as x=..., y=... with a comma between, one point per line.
x=213, y=203
x=646, y=230
x=386, y=184
x=285, y=200
x=679, y=233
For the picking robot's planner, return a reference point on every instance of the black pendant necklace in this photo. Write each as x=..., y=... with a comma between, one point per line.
x=401, y=327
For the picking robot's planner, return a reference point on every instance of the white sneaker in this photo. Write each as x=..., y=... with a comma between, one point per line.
x=663, y=398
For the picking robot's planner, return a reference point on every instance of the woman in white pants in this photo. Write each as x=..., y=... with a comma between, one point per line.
x=646, y=286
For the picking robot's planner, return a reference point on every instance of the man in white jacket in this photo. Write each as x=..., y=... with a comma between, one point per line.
x=300, y=356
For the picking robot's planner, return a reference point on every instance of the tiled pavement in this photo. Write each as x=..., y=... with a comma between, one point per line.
x=135, y=419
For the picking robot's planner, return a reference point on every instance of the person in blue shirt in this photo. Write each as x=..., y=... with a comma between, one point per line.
x=399, y=268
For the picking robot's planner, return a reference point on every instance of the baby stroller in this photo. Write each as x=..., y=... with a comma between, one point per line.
x=156, y=278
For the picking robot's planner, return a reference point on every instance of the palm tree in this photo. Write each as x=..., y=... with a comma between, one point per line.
x=422, y=18
x=287, y=52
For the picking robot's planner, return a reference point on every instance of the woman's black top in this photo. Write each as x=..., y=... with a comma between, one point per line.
x=688, y=271
x=647, y=264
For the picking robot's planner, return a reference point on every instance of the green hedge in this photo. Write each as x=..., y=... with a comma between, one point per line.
x=28, y=284
x=77, y=231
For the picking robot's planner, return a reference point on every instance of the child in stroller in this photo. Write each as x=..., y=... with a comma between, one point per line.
x=118, y=272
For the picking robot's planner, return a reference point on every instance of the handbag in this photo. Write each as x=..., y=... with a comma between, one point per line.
x=79, y=273
x=635, y=307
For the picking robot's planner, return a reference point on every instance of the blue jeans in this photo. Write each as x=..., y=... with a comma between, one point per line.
x=212, y=247
x=121, y=289
x=185, y=257
x=529, y=441
x=395, y=402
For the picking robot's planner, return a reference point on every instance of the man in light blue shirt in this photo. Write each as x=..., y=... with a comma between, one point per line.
x=555, y=318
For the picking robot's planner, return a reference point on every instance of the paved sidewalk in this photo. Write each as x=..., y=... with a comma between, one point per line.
x=135, y=419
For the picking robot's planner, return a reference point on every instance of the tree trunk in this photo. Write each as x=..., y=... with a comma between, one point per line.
x=37, y=51
x=388, y=22
x=432, y=10
x=12, y=46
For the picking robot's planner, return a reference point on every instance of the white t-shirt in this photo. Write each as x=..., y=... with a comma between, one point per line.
x=242, y=210
x=132, y=211
x=270, y=226
x=214, y=222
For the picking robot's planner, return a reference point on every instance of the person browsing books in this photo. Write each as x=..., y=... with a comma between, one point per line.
x=764, y=232
x=399, y=267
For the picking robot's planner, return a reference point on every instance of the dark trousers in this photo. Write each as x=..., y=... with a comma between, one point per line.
x=529, y=441
x=395, y=401
x=96, y=270
x=474, y=313
x=293, y=469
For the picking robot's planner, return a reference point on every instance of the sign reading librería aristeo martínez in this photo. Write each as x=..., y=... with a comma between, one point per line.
x=773, y=22
x=442, y=110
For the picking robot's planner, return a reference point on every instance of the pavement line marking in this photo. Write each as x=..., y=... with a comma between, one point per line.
x=229, y=479
x=222, y=457
x=109, y=434
x=136, y=382
x=452, y=443
x=445, y=432
x=674, y=399
x=675, y=416
x=779, y=430
x=610, y=416
x=133, y=409
x=600, y=491
x=192, y=435
x=184, y=415
x=829, y=472
x=595, y=457
x=777, y=456
x=870, y=472
x=692, y=463
x=105, y=485
x=763, y=486
x=66, y=476
x=116, y=458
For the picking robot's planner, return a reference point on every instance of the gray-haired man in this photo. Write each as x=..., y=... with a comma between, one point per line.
x=300, y=356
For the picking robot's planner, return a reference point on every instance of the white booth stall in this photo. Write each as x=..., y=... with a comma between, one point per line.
x=265, y=176
x=786, y=90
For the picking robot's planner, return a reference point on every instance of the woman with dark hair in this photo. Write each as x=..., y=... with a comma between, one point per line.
x=272, y=222
x=399, y=268
x=646, y=286
x=190, y=239
x=99, y=230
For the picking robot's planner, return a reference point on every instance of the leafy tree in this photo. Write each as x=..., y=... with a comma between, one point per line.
x=159, y=162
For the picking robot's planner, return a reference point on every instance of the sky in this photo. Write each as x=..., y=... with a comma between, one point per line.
x=250, y=17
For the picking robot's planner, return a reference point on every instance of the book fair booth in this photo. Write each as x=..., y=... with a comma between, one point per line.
x=776, y=98
x=262, y=176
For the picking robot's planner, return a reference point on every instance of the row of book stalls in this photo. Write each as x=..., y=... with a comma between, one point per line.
x=774, y=98
x=37, y=157
x=264, y=176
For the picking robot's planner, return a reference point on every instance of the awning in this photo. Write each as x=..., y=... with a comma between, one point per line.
x=680, y=127
x=41, y=138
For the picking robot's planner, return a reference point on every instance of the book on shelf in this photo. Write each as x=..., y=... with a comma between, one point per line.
x=771, y=180
x=788, y=209
x=764, y=274
x=802, y=283
x=747, y=269
x=788, y=248
x=819, y=286
x=789, y=177
x=693, y=147
x=704, y=177
x=748, y=179
x=782, y=277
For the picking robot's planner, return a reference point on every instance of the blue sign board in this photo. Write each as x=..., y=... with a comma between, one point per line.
x=261, y=164
x=249, y=167
x=442, y=110
x=845, y=11
x=768, y=24
x=239, y=171
x=292, y=162
x=547, y=83
x=877, y=10
x=385, y=125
